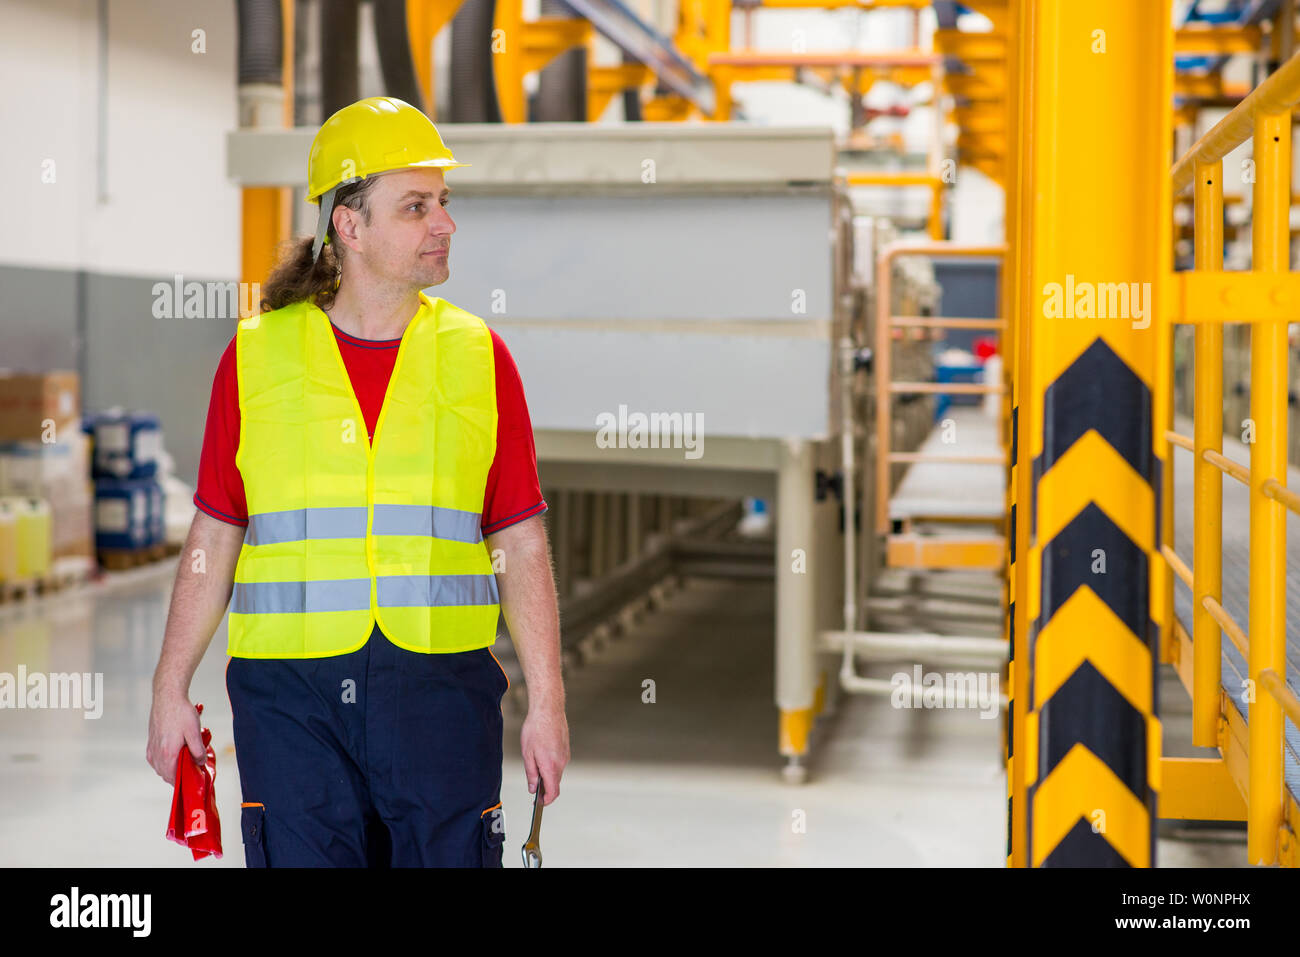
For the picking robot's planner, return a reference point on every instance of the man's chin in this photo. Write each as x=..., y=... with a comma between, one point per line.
x=433, y=277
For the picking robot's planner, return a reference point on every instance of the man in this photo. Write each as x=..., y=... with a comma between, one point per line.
x=365, y=570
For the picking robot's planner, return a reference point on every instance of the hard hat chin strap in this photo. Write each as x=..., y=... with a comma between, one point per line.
x=323, y=225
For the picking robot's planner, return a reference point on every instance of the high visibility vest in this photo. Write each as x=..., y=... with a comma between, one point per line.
x=344, y=532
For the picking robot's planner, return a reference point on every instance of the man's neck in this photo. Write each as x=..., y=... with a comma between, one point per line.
x=378, y=314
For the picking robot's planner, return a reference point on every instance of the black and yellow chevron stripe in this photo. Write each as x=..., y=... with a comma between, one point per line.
x=1092, y=736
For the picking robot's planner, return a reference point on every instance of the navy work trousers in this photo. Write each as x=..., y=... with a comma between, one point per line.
x=379, y=758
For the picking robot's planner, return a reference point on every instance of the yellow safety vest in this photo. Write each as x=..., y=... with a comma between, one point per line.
x=343, y=533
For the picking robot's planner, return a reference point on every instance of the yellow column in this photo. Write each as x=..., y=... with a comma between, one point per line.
x=1270, y=249
x=1016, y=351
x=1207, y=507
x=1099, y=84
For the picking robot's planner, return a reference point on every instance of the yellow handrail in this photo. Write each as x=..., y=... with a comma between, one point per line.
x=1177, y=564
x=1264, y=117
x=1228, y=624
x=1277, y=95
x=885, y=321
x=1275, y=490
x=1274, y=685
x=1229, y=467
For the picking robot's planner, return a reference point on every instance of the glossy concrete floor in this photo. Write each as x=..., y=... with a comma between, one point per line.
x=691, y=779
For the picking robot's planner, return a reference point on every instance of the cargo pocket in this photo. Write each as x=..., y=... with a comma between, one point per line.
x=501, y=675
x=494, y=836
x=251, y=821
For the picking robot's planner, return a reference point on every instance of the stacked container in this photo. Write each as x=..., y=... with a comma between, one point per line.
x=27, y=520
x=129, y=501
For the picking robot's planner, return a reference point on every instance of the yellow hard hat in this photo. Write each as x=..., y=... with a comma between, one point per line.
x=374, y=135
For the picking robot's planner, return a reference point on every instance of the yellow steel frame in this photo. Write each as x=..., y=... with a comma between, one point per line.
x=521, y=46
x=934, y=223
x=424, y=18
x=983, y=103
x=1268, y=297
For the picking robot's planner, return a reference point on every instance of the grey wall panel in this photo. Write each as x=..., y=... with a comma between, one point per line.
x=747, y=386
x=162, y=365
x=664, y=256
x=125, y=355
x=38, y=319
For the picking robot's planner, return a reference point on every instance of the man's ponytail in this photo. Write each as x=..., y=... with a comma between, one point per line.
x=296, y=278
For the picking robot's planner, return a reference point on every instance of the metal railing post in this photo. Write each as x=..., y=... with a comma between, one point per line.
x=1270, y=248
x=1207, y=506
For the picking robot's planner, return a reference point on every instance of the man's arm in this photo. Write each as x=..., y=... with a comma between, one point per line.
x=528, y=601
x=200, y=594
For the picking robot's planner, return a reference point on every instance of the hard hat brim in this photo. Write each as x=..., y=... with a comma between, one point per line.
x=436, y=163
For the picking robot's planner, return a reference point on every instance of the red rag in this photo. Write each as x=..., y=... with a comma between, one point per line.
x=194, y=821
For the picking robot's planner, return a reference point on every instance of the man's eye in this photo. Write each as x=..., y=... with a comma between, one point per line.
x=416, y=206
x=445, y=202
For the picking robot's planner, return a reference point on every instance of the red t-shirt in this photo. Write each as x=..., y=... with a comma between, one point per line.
x=513, y=491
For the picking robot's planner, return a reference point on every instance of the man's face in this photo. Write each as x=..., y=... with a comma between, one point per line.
x=408, y=239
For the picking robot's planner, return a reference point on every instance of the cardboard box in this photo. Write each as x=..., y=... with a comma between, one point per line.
x=29, y=400
x=72, y=521
x=57, y=472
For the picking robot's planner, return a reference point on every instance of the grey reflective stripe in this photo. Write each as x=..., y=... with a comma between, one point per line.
x=273, y=598
x=433, y=591
x=448, y=523
x=296, y=524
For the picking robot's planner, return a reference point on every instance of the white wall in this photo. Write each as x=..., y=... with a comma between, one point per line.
x=167, y=207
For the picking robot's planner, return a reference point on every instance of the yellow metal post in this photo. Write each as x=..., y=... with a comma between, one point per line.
x=1270, y=248
x=1100, y=84
x=935, y=221
x=1207, y=506
x=1019, y=172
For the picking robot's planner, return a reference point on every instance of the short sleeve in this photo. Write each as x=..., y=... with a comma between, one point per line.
x=220, y=488
x=514, y=491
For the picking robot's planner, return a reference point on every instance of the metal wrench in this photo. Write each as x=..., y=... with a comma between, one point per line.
x=532, y=849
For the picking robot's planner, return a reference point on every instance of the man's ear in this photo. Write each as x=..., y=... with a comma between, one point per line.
x=345, y=225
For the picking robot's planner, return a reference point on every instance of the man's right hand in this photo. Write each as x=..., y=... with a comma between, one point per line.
x=200, y=594
x=173, y=723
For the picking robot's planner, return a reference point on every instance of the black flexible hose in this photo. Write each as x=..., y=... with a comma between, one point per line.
x=261, y=41
x=339, y=84
x=395, y=59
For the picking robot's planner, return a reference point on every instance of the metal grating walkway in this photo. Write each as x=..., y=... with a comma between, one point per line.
x=1236, y=564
